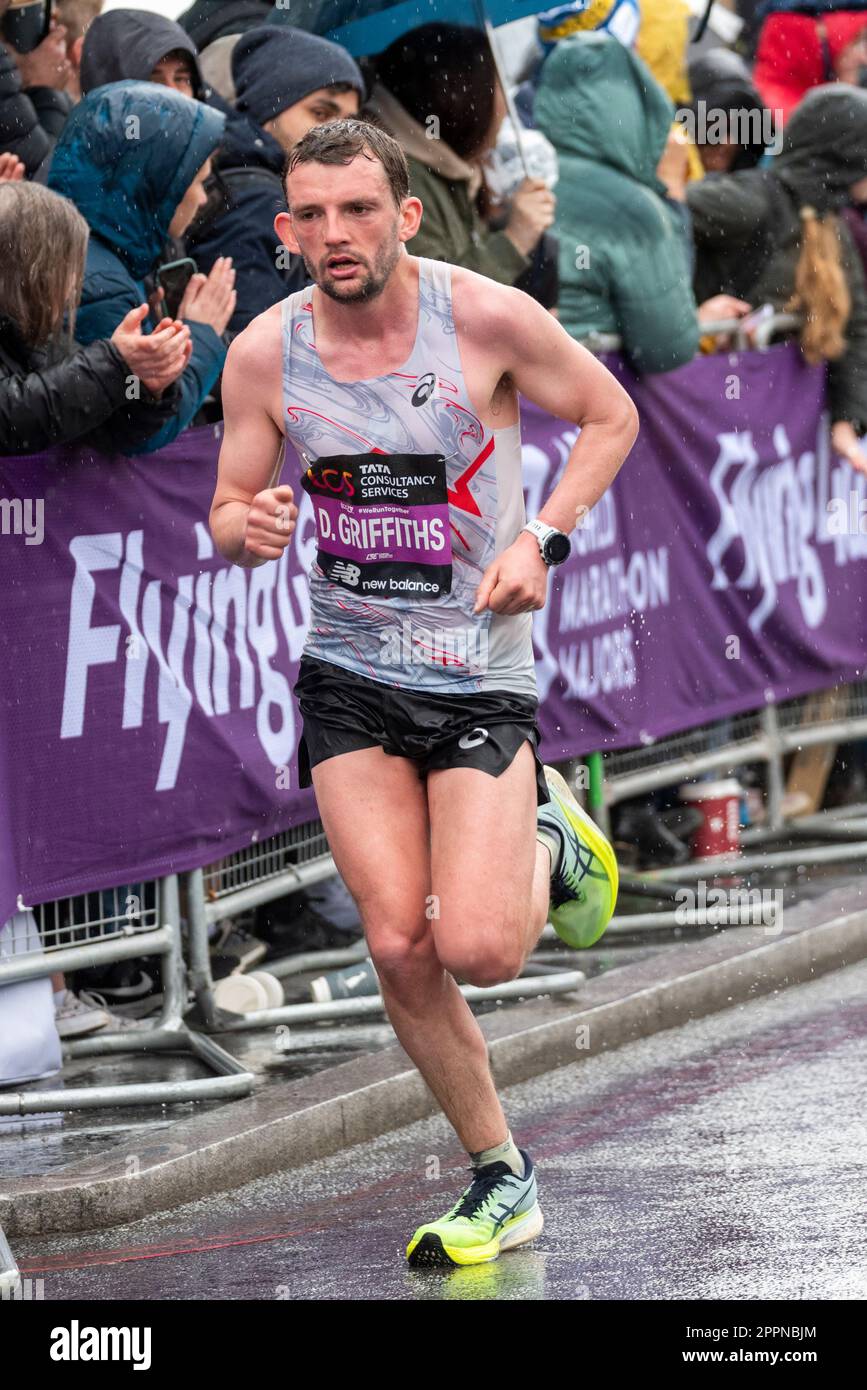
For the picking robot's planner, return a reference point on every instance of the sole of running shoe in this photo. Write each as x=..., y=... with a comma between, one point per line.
x=432, y=1252
x=588, y=831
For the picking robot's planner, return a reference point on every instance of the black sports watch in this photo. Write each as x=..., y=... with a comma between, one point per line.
x=555, y=546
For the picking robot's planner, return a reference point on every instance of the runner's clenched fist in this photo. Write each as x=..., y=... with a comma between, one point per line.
x=270, y=522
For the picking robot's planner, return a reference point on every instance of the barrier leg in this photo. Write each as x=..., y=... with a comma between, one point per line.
x=596, y=793
x=170, y=1034
x=10, y=1278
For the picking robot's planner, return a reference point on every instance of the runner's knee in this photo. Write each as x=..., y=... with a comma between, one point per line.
x=400, y=947
x=476, y=956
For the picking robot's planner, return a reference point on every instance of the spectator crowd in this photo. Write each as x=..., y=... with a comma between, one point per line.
x=634, y=182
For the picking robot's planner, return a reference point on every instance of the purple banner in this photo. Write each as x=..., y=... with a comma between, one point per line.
x=148, y=723
x=724, y=567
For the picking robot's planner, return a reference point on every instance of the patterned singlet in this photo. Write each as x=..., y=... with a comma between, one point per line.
x=412, y=499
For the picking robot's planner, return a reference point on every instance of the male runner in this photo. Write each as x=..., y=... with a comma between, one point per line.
x=396, y=379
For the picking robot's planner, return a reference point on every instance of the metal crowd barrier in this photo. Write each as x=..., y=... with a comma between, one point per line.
x=281, y=865
x=10, y=1277
x=758, y=339
x=762, y=736
x=80, y=932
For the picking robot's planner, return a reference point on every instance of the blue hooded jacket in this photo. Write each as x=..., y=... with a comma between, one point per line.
x=128, y=153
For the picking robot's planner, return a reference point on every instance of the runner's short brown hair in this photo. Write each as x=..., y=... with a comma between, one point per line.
x=338, y=142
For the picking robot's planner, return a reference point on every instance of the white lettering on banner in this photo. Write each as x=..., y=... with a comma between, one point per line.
x=86, y=645
x=603, y=663
x=130, y=585
x=203, y=608
x=614, y=588
x=776, y=514
x=279, y=743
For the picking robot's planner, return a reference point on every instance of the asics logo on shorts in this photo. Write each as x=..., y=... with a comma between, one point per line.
x=342, y=569
x=472, y=739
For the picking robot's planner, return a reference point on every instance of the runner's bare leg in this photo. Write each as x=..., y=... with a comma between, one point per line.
x=490, y=875
x=375, y=813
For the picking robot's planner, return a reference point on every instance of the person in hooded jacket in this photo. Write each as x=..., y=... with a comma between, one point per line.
x=286, y=81
x=722, y=81
x=624, y=265
x=144, y=47
x=51, y=390
x=137, y=45
x=133, y=158
x=773, y=236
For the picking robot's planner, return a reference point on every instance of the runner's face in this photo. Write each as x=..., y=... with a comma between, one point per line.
x=347, y=226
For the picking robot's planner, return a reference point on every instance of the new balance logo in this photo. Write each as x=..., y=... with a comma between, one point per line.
x=342, y=570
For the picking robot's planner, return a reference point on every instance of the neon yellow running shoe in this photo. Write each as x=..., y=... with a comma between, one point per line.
x=497, y=1211
x=584, y=877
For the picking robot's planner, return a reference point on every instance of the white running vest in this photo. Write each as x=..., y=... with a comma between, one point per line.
x=412, y=498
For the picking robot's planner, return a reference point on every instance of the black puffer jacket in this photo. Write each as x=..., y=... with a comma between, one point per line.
x=79, y=399
x=31, y=120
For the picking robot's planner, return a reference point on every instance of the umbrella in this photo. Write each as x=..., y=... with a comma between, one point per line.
x=369, y=26
x=809, y=7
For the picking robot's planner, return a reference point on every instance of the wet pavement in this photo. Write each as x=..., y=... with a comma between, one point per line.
x=721, y=1160
x=44, y=1144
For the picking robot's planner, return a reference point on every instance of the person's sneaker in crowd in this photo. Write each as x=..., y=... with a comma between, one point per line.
x=499, y=1210
x=125, y=984
x=74, y=1018
x=234, y=949
x=584, y=876
x=117, y=1023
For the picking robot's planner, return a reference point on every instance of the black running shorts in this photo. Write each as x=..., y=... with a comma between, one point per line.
x=343, y=712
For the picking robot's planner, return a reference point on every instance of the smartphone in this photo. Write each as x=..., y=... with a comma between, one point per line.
x=174, y=278
x=26, y=23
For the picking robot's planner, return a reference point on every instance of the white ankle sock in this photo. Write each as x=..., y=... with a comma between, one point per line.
x=552, y=842
x=507, y=1152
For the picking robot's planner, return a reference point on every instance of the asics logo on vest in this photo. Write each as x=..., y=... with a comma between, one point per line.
x=425, y=389
x=473, y=739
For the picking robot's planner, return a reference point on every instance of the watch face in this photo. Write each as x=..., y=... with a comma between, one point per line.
x=557, y=549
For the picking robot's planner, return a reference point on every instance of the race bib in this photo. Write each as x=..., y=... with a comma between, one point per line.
x=382, y=522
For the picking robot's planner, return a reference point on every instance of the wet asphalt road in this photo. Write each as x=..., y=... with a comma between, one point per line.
x=722, y=1160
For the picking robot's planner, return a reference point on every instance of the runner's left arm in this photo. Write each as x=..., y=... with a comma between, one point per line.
x=567, y=381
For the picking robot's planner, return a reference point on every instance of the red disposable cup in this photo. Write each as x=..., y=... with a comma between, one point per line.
x=720, y=830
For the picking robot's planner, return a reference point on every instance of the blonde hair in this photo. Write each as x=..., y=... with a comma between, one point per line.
x=43, y=245
x=77, y=16
x=821, y=292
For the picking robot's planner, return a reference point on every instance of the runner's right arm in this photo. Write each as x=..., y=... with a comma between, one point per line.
x=252, y=520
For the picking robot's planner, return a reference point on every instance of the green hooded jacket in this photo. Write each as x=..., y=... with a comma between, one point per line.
x=624, y=262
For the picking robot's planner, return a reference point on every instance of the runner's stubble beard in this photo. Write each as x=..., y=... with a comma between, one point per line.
x=387, y=257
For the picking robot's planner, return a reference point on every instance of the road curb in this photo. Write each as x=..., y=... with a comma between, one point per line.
x=299, y=1121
